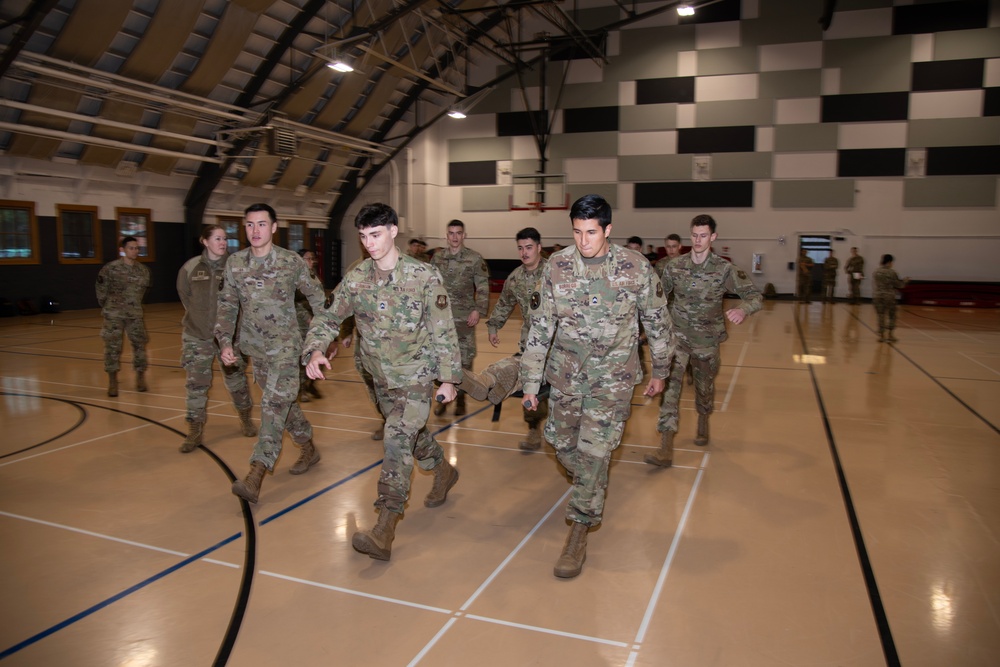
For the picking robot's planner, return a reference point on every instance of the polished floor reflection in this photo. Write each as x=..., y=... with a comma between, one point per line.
x=846, y=512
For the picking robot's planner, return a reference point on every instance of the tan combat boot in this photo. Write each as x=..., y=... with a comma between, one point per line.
x=377, y=542
x=664, y=456
x=445, y=476
x=574, y=554
x=248, y=489
x=702, y=438
x=477, y=385
x=308, y=456
x=533, y=441
x=460, y=404
x=140, y=381
x=506, y=383
x=193, y=437
x=379, y=433
x=112, y=383
x=247, y=427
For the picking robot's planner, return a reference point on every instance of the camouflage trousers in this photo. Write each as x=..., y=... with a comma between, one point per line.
x=466, y=343
x=279, y=412
x=531, y=418
x=704, y=368
x=111, y=332
x=803, y=288
x=197, y=358
x=829, y=287
x=585, y=430
x=369, y=381
x=406, y=437
x=886, y=311
x=855, y=290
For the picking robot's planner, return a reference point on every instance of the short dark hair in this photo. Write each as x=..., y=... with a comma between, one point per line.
x=634, y=239
x=591, y=207
x=414, y=241
x=674, y=237
x=302, y=251
x=376, y=215
x=703, y=221
x=457, y=223
x=529, y=233
x=127, y=239
x=887, y=258
x=253, y=208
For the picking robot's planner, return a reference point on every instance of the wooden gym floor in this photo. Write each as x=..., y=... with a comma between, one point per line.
x=846, y=512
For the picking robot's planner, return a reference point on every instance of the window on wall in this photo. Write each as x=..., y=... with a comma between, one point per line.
x=18, y=233
x=137, y=222
x=297, y=239
x=235, y=234
x=79, y=233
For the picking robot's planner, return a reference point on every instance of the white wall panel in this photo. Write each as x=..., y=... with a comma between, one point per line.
x=729, y=87
x=687, y=63
x=946, y=104
x=923, y=48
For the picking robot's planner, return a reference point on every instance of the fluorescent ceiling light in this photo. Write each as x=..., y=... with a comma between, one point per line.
x=340, y=66
x=685, y=10
x=455, y=113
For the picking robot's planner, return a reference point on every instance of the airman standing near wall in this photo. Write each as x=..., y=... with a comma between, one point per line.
x=121, y=287
x=830, y=266
x=885, y=282
x=803, y=287
x=855, y=269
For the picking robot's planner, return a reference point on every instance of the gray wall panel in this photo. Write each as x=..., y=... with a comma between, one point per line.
x=654, y=167
x=957, y=44
x=736, y=60
x=592, y=144
x=953, y=132
x=734, y=112
x=486, y=198
x=578, y=95
x=474, y=150
x=870, y=64
x=792, y=83
x=813, y=194
x=950, y=191
x=741, y=166
x=649, y=53
x=806, y=137
x=647, y=117
x=607, y=190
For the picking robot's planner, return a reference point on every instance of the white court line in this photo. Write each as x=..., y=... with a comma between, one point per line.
x=349, y=591
x=992, y=370
x=736, y=374
x=945, y=325
x=558, y=633
x=83, y=442
x=658, y=589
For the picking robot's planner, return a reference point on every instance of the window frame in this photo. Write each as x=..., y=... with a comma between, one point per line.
x=95, y=234
x=305, y=235
x=241, y=232
x=150, y=255
x=29, y=206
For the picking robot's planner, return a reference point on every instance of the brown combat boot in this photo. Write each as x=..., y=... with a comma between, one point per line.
x=311, y=388
x=308, y=456
x=460, y=404
x=377, y=542
x=193, y=437
x=506, y=383
x=533, y=441
x=140, y=381
x=439, y=409
x=702, y=438
x=248, y=489
x=664, y=456
x=574, y=554
x=477, y=385
x=445, y=476
x=112, y=384
x=379, y=433
x=247, y=427
x=303, y=396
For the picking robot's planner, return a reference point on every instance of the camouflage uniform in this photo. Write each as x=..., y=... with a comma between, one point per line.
x=585, y=320
x=467, y=279
x=406, y=340
x=198, y=284
x=830, y=266
x=855, y=265
x=885, y=282
x=260, y=293
x=696, y=308
x=803, y=285
x=517, y=290
x=422, y=256
x=120, y=290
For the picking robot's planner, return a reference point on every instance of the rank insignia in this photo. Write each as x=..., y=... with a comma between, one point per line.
x=260, y=284
x=741, y=275
x=442, y=301
x=536, y=300
x=382, y=305
x=594, y=300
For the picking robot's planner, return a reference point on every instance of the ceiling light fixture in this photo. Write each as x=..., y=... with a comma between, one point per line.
x=339, y=65
x=455, y=113
x=685, y=10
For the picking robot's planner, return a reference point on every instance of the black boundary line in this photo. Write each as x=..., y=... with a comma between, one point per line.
x=874, y=597
x=936, y=381
x=79, y=422
x=250, y=529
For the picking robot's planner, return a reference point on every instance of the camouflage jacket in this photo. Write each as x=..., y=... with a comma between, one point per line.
x=590, y=318
x=698, y=289
x=422, y=256
x=406, y=334
x=805, y=268
x=260, y=294
x=830, y=266
x=303, y=311
x=198, y=285
x=121, y=288
x=467, y=279
x=855, y=265
x=517, y=289
x=885, y=282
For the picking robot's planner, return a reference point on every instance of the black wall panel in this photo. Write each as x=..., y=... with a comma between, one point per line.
x=872, y=162
x=940, y=16
x=963, y=160
x=739, y=139
x=590, y=119
x=518, y=123
x=694, y=194
x=865, y=107
x=678, y=90
x=472, y=173
x=948, y=75
x=991, y=102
